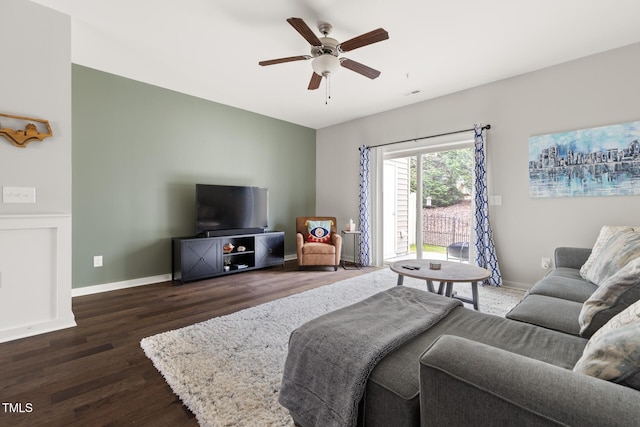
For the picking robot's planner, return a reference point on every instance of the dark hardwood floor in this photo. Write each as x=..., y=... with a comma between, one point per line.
x=97, y=374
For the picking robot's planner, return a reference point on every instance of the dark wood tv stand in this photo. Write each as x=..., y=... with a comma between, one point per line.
x=195, y=258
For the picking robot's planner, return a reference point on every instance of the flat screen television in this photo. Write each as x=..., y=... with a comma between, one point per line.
x=227, y=209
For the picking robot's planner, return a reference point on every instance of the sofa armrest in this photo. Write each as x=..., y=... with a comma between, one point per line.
x=299, y=245
x=463, y=382
x=571, y=257
x=336, y=240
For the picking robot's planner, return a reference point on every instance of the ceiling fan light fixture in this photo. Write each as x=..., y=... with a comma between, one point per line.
x=325, y=64
x=325, y=52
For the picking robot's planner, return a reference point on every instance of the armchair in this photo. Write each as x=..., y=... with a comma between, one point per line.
x=317, y=253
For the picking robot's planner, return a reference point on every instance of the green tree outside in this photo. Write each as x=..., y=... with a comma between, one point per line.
x=447, y=176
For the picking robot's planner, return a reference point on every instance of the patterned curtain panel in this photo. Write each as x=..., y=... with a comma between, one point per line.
x=364, y=214
x=485, y=250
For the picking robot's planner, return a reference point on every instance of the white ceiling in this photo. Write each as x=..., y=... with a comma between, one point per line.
x=211, y=48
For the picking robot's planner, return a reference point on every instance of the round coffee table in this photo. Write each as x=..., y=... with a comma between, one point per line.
x=448, y=274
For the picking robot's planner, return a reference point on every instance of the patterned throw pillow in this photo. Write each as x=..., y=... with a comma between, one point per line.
x=621, y=248
x=319, y=231
x=614, y=295
x=613, y=352
x=605, y=234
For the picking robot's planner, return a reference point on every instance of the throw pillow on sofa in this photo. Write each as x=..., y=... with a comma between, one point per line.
x=606, y=232
x=613, y=352
x=621, y=248
x=319, y=231
x=613, y=295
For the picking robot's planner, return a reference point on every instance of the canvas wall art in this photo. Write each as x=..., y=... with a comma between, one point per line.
x=601, y=161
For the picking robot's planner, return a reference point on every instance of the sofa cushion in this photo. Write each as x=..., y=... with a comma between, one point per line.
x=614, y=295
x=392, y=393
x=564, y=283
x=606, y=232
x=613, y=352
x=621, y=248
x=571, y=257
x=549, y=312
x=319, y=231
x=571, y=273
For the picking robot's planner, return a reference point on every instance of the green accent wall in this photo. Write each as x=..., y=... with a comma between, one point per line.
x=139, y=150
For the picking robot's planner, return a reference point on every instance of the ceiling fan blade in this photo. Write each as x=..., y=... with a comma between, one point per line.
x=359, y=68
x=282, y=60
x=305, y=31
x=371, y=37
x=315, y=81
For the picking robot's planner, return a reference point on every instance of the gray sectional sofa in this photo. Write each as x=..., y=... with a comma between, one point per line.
x=557, y=301
x=543, y=364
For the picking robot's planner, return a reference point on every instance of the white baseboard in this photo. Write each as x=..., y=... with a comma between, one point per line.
x=94, y=289
x=36, y=329
x=516, y=285
x=106, y=287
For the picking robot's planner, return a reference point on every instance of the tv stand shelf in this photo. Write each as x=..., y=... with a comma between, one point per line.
x=195, y=258
x=232, y=254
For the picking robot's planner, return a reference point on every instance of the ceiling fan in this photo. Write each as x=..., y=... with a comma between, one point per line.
x=325, y=52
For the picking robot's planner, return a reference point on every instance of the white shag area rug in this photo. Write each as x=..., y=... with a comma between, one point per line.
x=227, y=370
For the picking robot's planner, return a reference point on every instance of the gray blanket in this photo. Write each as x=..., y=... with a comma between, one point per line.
x=331, y=357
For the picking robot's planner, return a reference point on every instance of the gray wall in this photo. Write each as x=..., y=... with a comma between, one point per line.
x=35, y=81
x=594, y=91
x=138, y=152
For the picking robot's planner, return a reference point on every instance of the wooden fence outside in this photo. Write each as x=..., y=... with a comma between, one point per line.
x=441, y=230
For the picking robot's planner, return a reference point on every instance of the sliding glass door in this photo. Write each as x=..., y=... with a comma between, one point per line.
x=427, y=203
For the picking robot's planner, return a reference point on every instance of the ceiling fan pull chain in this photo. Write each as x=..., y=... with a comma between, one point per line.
x=326, y=91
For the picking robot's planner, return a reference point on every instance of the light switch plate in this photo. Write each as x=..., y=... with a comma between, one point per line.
x=18, y=195
x=495, y=200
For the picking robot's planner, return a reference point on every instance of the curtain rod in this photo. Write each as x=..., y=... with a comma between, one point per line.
x=487, y=127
